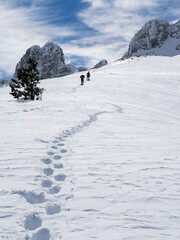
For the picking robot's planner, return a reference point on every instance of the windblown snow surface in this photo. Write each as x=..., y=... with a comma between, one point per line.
x=99, y=161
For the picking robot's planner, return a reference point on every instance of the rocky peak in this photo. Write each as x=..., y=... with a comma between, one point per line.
x=151, y=35
x=51, y=48
x=49, y=58
x=32, y=52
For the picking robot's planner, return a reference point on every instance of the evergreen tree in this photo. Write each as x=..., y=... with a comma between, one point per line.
x=25, y=86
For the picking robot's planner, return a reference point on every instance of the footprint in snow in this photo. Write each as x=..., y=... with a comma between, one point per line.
x=32, y=221
x=90, y=210
x=63, y=150
x=61, y=144
x=57, y=157
x=54, y=190
x=60, y=165
x=47, y=161
x=32, y=197
x=42, y=234
x=50, y=153
x=48, y=171
x=54, y=147
x=46, y=183
x=60, y=177
x=53, y=209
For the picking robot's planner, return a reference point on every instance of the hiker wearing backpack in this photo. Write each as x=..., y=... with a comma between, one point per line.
x=88, y=76
x=82, y=79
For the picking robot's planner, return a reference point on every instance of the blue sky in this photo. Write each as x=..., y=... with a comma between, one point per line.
x=86, y=30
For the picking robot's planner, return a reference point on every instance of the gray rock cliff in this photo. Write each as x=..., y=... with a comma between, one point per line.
x=156, y=37
x=50, y=61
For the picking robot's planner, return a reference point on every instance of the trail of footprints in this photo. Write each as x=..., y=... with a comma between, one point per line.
x=51, y=182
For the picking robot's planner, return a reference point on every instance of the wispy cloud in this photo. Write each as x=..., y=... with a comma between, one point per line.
x=118, y=18
x=134, y=5
x=175, y=12
x=92, y=54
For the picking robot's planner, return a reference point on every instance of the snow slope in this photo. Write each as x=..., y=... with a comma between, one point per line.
x=99, y=161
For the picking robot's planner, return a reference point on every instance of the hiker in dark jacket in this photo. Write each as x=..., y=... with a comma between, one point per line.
x=88, y=76
x=82, y=79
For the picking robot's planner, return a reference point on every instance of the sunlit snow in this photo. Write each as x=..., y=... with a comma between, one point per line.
x=98, y=161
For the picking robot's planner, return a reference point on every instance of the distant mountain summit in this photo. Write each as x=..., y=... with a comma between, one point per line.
x=100, y=64
x=156, y=37
x=50, y=61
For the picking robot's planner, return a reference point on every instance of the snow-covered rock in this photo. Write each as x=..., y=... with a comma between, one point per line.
x=101, y=64
x=50, y=60
x=156, y=37
x=175, y=30
x=67, y=69
x=81, y=69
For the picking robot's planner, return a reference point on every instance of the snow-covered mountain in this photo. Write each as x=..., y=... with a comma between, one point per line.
x=156, y=37
x=99, y=161
x=50, y=59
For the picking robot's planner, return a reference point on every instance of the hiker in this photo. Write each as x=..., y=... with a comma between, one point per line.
x=88, y=76
x=82, y=79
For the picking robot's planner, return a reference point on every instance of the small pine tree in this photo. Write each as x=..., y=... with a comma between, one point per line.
x=25, y=86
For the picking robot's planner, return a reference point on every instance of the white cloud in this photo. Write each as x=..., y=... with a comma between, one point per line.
x=95, y=53
x=119, y=17
x=134, y=5
x=175, y=12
